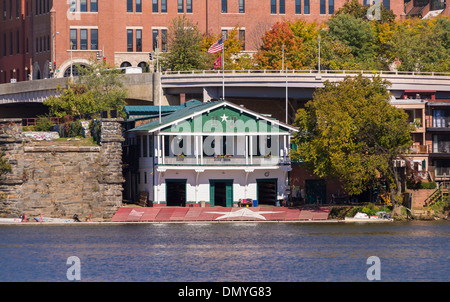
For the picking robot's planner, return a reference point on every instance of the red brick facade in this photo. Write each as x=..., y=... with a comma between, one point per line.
x=34, y=33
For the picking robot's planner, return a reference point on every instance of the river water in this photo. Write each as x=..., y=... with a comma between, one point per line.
x=235, y=252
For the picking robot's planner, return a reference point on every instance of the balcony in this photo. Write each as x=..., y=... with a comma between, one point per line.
x=225, y=161
x=419, y=149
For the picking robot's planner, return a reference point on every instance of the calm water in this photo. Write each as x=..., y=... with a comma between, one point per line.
x=416, y=251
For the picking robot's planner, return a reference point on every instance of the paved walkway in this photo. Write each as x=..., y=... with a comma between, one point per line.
x=160, y=214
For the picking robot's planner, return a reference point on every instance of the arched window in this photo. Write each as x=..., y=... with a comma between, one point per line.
x=125, y=64
x=75, y=71
x=144, y=66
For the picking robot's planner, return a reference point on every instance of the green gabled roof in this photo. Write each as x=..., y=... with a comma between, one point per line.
x=176, y=115
x=196, y=108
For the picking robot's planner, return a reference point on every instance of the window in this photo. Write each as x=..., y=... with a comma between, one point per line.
x=224, y=6
x=4, y=45
x=94, y=39
x=242, y=38
x=129, y=6
x=180, y=6
x=155, y=6
x=10, y=9
x=241, y=6
x=189, y=6
x=323, y=7
x=298, y=7
x=282, y=7
x=164, y=40
x=94, y=6
x=306, y=8
x=366, y=2
x=17, y=8
x=4, y=10
x=139, y=6
x=72, y=7
x=164, y=6
x=144, y=148
x=224, y=34
x=273, y=6
x=138, y=40
x=387, y=4
x=330, y=6
x=129, y=40
x=155, y=39
x=83, y=39
x=18, y=42
x=73, y=38
x=83, y=5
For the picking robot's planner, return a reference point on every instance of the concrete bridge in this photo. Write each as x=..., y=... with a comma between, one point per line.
x=239, y=85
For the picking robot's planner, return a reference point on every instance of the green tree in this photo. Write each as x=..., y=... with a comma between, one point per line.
x=356, y=34
x=98, y=88
x=349, y=131
x=185, y=46
x=5, y=167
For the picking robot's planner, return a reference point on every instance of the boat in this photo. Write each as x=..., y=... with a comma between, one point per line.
x=10, y=220
x=53, y=220
x=363, y=217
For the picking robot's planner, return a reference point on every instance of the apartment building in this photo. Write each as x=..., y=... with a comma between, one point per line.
x=44, y=38
x=429, y=112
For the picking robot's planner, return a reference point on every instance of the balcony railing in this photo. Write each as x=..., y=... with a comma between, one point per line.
x=419, y=149
x=225, y=161
x=443, y=122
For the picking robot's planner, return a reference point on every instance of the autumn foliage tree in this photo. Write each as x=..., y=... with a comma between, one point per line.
x=350, y=131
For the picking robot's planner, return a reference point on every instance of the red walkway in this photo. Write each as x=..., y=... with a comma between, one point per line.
x=159, y=214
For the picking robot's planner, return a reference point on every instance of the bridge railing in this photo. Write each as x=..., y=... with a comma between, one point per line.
x=309, y=71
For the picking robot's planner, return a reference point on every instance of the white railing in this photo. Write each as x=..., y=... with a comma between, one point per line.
x=309, y=71
x=225, y=161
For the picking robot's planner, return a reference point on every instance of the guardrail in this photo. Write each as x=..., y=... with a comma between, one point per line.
x=309, y=71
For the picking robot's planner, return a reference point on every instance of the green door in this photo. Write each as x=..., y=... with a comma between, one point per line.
x=315, y=190
x=221, y=192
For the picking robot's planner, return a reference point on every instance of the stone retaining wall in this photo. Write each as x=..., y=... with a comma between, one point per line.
x=60, y=180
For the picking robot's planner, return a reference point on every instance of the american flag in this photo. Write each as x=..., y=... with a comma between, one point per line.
x=216, y=47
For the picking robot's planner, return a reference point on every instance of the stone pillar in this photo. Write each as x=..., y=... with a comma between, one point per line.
x=111, y=166
x=11, y=183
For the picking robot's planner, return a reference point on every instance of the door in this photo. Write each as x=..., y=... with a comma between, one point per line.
x=315, y=190
x=221, y=192
x=176, y=192
x=266, y=191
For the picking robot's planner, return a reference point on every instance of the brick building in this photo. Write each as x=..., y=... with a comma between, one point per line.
x=42, y=38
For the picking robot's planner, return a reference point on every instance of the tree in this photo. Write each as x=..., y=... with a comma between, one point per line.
x=98, y=88
x=354, y=33
x=349, y=131
x=185, y=46
x=422, y=44
x=234, y=59
x=270, y=54
x=5, y=167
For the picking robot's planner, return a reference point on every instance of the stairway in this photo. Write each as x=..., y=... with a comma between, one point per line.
x=436, y=196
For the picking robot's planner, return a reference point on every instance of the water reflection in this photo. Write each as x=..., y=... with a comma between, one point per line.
x=226, y=252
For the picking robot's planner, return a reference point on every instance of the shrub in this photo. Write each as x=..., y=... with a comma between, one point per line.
x=43, y=124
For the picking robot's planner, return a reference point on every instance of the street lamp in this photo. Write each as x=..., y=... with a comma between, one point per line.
x=71, y=59
x=318, y=39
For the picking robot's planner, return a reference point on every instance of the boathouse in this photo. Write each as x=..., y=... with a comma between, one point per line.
x=208, y=154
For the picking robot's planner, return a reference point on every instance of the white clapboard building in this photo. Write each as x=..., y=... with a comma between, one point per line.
x=214, y=153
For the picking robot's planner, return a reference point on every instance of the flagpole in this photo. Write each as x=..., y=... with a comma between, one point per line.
x=223, y=68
